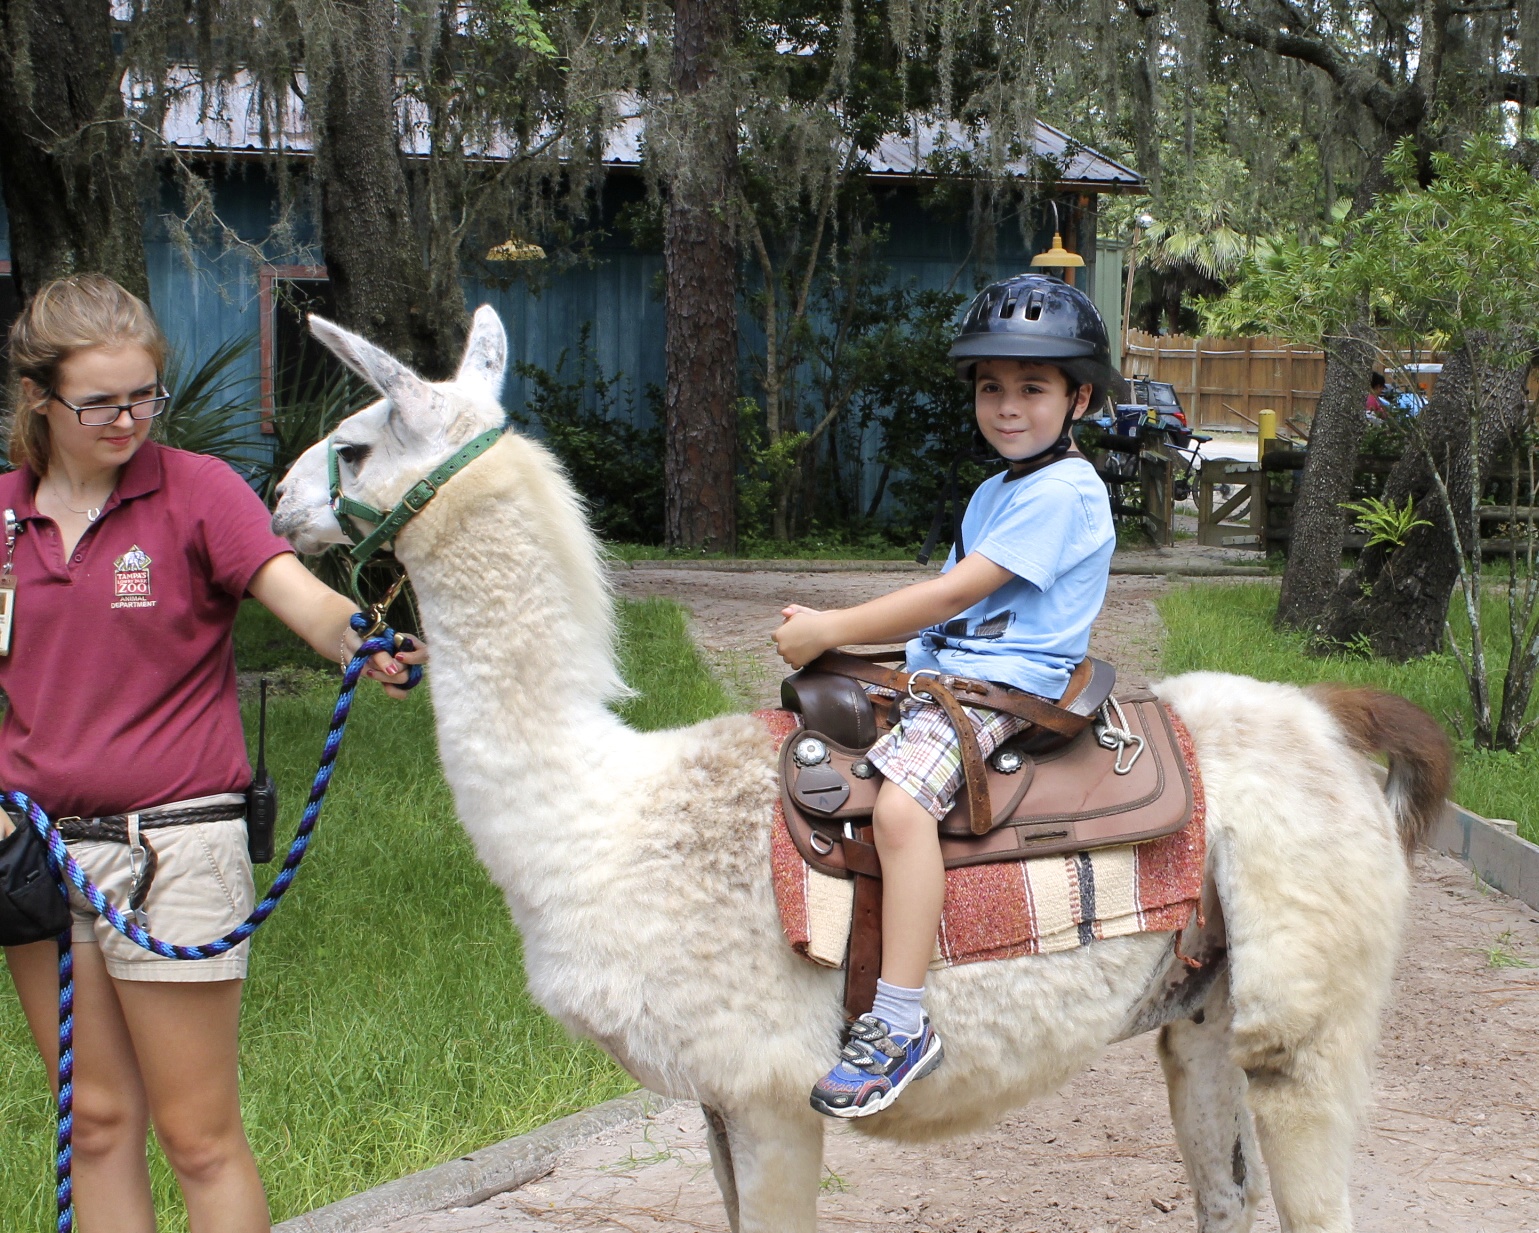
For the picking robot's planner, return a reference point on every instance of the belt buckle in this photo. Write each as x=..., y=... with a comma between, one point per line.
x=922, y=697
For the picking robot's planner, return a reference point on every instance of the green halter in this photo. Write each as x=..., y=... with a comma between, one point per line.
x=386, y=525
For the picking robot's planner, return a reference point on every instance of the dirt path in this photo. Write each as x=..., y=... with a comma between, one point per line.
x=734, y=613
x=1452, y=1139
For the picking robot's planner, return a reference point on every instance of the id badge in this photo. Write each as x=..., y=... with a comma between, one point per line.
x=7, y=610
x=8, y=582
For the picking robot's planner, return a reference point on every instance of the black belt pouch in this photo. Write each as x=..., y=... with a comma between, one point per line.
x=32, y=908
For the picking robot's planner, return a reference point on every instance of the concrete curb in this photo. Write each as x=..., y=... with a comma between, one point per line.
x=477, y=1177
x=1503, y=861
x=1195, y=569
x=1131, y=564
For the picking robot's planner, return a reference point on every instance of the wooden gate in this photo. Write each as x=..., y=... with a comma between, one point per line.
x=1156, y=473
x=1231, y=504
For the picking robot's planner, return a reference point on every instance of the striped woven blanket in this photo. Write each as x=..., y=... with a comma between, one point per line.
x=1004, y=910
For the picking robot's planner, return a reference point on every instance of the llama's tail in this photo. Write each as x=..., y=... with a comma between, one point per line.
x=1419, y=753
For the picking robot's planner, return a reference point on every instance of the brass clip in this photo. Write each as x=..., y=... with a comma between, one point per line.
x=377, y=611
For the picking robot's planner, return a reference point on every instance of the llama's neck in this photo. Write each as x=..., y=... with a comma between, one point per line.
x=519, y=619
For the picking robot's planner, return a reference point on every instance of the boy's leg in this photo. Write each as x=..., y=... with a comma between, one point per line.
x=111, y=1116
x=913, y=885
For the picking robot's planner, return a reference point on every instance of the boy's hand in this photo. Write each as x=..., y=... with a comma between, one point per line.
x=804, y=636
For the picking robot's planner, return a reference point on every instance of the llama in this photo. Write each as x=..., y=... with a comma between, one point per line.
x=636, y=866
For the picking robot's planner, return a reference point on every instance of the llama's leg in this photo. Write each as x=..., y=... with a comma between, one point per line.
x=1306, y=1107
x=1213, y=1125
x=1306, y=1092
x=721, y=1162
x=776, y=1158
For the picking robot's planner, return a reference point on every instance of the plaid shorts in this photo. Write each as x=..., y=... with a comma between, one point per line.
x=921, y=754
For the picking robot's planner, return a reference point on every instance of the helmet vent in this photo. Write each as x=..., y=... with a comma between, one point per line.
x=1033, y=306
x=1008, y=307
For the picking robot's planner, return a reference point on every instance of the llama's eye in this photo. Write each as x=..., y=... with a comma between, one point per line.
x=352, y=454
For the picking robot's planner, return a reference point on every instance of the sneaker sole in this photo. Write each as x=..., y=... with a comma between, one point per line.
x=927, y=1063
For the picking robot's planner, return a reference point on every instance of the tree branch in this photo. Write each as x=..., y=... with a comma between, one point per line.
x=1358, y=83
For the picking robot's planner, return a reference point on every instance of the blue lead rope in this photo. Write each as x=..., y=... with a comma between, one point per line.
x=64, y=868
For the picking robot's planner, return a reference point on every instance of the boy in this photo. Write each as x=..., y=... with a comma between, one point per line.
x=1013, y=605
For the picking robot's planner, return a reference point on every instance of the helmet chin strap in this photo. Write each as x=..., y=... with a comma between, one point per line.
x=1020, y=467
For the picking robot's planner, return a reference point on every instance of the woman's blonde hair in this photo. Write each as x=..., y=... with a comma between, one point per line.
x=65, y=316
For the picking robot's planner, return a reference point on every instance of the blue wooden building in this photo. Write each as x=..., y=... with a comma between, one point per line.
x=207, y=294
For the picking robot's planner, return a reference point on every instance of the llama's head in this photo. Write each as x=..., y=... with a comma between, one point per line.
x=391, y=444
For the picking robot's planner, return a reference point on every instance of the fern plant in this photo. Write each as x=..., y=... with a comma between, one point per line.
x=1384, y=522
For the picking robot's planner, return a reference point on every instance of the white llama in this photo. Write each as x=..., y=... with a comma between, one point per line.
x=637, y=866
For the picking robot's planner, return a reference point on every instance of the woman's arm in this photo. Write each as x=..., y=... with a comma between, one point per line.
x=320, y=616
x=807, y=633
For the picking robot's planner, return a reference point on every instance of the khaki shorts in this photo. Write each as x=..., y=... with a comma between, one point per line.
x=203, y=888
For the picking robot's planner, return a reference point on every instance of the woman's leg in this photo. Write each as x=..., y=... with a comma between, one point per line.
x=111, y=1115
x=913, y=885
x=185, y=1037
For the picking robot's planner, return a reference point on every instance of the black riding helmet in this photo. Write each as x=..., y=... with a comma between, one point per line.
x=1039, y=317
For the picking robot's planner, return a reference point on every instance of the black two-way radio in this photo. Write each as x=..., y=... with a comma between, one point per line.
x=262, y=796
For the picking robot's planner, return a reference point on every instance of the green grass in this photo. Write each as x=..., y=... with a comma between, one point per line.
x=386, y=1026
x=1228, y=628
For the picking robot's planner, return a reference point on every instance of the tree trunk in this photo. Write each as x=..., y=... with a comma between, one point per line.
x=1319, y=523
x=68, y=160
x=1398, y=598
x=700, y=260
x=374, y=257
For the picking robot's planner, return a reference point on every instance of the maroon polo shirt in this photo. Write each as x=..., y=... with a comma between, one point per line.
x=121, y=675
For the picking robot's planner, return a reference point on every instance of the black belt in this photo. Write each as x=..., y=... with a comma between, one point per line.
x=113, y=827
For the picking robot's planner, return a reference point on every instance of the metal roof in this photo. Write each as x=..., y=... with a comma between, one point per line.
x=1078, y=163
x=227, y=119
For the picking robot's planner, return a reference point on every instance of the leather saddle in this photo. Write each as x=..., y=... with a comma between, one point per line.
x=1089, y=771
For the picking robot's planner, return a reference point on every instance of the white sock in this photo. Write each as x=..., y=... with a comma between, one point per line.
x=899, y=1007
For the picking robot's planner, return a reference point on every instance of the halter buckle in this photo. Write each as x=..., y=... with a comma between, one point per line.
x=418, y=495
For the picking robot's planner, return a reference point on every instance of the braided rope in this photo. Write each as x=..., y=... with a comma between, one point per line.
x=65, y=867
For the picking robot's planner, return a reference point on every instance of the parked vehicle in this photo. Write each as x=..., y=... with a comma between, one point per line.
x=1153, y=404
x=1154, y=416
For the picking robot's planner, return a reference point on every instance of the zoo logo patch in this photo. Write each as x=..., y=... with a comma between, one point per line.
x=131, y=580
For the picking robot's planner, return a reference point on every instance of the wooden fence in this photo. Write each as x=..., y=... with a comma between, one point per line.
x=1250, y=504
x=1224, y=382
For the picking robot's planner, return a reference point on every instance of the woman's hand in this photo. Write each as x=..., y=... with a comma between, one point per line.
x=322, y=618
x=805, y=635
x=384, y=667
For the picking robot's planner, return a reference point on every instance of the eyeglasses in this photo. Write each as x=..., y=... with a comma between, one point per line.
x=100, y=414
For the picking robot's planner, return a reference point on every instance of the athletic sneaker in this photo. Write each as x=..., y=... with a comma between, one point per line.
x=875, y=1065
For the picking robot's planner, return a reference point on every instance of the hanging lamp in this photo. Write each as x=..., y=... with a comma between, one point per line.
x=515, y=249
x=1058, y=257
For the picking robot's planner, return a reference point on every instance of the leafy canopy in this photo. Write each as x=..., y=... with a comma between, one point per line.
x=1442, y=265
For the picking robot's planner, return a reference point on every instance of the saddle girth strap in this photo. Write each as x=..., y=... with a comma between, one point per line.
x=863, y=962
x=983, y=694
x=974, y=775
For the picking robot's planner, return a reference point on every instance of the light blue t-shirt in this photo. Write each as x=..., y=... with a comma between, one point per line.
x=1053, y=530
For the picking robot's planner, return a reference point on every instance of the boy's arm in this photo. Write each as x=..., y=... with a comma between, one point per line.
x=807, y=633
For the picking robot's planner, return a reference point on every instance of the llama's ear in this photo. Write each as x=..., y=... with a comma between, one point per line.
x=486, y=352
x=380, y=369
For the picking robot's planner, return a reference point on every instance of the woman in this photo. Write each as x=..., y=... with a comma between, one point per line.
x=131, y=560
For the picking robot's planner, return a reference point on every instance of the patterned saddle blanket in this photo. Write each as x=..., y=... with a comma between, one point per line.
x=1011, y=907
